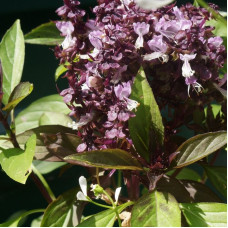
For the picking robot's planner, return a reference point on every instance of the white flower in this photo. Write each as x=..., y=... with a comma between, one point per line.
x=131, y=104
x=164, y=58
x=186, y=68
x=68, y=42
x=152, y=4
x=140, y=29
x=117, y=194
x=82, y=195
x=83, y=121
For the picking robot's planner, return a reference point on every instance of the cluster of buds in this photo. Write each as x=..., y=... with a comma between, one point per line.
x=103, y=55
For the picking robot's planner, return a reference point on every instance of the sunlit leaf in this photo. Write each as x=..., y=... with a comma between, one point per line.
x=103, y=219
x=205, y=214
x=21, y=91
x=186, y=174
x=45, y=34
x=29, y=118
x=147, y=126
x=54, y=118
x=14, y=222
x=54, y=142
x=59, y=71
x=12, y=53
x=108, y=159
x=199, y=147
x=65, y=211
x=156, y=209
x=45, y=167
x=17, y=162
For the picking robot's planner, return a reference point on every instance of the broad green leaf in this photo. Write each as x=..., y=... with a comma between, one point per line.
x=220, y=28
x=54, y=118
x=64, y=211
x=36, y=222
x=30, y=116
x=45, y=167
x=147, y=126
x=199, y=192
x=107, y=159
x=205, y=214
x=17, y=162
x=186, y=174
x=12, y=54
x=21, y=91
x=199, y=147
x=156, y=209
x=218, y=177
x=14, y=222
x=103, y=219
x=59, y=71
x=175, y=188
x=53, y=142
x=45, y=34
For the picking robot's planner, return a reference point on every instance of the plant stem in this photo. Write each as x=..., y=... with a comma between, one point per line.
x=204, y=178
x=119, y=178
x=114, y=205
x=9, y=132
x=97, y=176
x=100, y=205
x=38, y=178
x=176, y=172
x=44, y=183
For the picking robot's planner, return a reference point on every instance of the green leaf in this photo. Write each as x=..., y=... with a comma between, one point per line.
x=103, y=219
x=107, y=159
x=14, y=222
x=148, y=121
x=45, y=34
x=29, y=118
x=156, y=209
x=12, y=54
x=54, y=118
x=65, y=211
x=17, y=162
x=186, y=174
x=199, y=147
x=45, y=167
x=21, y=91
x=175, y=188
x=53, y=142
x=220, y=28
x=205, y=214
x=36, y=222
x=199, y=192
x=218, y=177
x=59, y=71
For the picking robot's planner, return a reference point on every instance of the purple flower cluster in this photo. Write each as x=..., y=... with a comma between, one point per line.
x=103, y=55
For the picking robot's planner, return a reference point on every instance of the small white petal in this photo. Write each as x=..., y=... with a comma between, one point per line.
x=132, y=104
x=139, y=42
x=152, y=4
x=83, y=184
x=155, y=55
x=117, y=194
x=81, y=196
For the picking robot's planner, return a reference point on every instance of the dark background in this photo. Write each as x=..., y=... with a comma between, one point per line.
x=39, y=69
